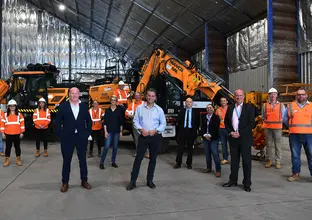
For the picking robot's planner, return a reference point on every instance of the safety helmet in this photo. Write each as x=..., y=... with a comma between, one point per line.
x=121, y=83
x=42, y=100
x=272, y=90
x=12, y=102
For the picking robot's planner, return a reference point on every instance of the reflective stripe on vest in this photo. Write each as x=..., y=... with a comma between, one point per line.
x=38, y=115
x=300, y=119
x=98, y=119
x=120, y=97
x=18, y=122
x=272, y=123
x=132, y=109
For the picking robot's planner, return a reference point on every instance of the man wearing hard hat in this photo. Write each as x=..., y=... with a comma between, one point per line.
x=121, y=93
x=272, y=123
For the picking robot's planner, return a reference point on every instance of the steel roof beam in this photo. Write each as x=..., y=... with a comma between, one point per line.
x=106, y=21
x=238, y=9
x=171, y=25
x=143, y=25
x=91, y=18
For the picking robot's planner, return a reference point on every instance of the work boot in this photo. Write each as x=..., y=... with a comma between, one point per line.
x=278, y=165
x=45, y=154
x=268, y=164
x=7, y=162
x=294, y=177
x=223, y=162
x=18, y=161
x=37, y=153
x=2, y=154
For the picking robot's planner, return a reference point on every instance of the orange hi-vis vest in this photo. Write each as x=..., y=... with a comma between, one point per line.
x=221, y=113
x=122, y=96
x=41, y=118
x=300, y=119
x=96, y=118
x=272, y=116
x=12, y=124
x=131, y=108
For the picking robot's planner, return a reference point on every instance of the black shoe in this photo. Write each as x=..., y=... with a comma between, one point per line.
x=114, y=165
x=90, y=155
x=131, y=186
x=207, y=170
x=247, y=188
x=177, y=166
x=189, y=167
x=229, y=184
x=151, y=185
x=102, y=166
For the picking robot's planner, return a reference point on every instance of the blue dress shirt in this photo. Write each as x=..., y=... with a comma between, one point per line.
x=188, y=111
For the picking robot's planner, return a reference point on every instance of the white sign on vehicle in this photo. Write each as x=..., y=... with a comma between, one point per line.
x=170, y=131
x=107, y=89
x=196, y=104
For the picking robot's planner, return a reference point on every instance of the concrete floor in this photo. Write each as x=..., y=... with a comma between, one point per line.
x=32, y=191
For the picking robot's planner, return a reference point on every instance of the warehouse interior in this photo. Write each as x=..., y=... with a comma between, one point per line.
x=249, y=44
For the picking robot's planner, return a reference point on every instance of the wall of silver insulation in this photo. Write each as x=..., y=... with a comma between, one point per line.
x=247, y=49
x=32, y=36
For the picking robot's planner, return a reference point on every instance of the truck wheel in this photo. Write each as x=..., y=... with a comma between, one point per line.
x=164, y=145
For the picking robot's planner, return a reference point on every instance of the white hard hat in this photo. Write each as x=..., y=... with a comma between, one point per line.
x=272, y=90
x=42, y=100
x=12, y=102
x=121, y=83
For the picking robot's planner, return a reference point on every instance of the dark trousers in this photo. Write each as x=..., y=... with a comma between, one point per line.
x=152, y=143
x=237, y=149
x=187, y=138
x=41, y=135
x=96, y=136
x=10, y=139
x=67, y=146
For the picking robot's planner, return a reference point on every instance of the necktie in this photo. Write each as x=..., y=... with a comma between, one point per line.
x=187, y=118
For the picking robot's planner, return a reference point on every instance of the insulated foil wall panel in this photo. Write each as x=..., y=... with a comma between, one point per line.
x=19, y=35
x=305, y=26
x=306, y=67
x=248, y=48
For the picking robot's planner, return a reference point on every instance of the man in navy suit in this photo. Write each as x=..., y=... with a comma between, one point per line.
x=73, y=126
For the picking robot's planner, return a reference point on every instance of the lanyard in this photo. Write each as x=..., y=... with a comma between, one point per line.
x=237, y=113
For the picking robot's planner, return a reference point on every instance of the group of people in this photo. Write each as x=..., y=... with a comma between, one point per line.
x=232, y=124
x=12, y=128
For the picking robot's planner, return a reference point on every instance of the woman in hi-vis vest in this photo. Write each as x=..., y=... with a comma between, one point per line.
x=41, y=119
x=12, y=128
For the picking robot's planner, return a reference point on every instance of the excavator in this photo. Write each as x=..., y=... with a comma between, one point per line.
x=29, y=84
x=165, y=72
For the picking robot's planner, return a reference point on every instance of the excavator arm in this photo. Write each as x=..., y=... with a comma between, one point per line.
x=171, y=68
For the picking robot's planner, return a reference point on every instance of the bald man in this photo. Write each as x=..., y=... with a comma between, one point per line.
x=188, y=123
x=73, y=127
x=239, y=121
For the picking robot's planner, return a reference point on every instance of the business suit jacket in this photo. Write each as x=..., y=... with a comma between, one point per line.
x=245, y=126
x=66, y=124
x=214, y=125
x=195, y=122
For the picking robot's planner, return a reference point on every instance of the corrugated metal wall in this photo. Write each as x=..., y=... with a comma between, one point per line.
x=250, y=80
x=306, y=66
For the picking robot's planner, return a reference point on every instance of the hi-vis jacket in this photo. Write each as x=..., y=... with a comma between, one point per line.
x=41, y=118
x=96, y=118
x=12, y=124
x=131, y=108
x=122, y=95
x=300, y=119
x=272, y=116
x=221, y=113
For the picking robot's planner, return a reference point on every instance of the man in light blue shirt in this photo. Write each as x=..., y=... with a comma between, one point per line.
x=149, y=120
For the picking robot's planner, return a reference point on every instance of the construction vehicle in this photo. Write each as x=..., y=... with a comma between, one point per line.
x=27, y=85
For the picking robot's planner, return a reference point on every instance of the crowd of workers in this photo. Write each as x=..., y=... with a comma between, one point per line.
x=228, y=124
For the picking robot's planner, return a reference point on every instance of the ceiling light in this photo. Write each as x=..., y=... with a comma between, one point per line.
x=117, y=39
x=62, y=7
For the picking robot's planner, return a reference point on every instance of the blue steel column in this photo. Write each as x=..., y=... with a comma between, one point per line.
x=206, y=47
x=227, y=76
x=298, y=43
x=1, y=39
x=70, y=54
x=270, y=42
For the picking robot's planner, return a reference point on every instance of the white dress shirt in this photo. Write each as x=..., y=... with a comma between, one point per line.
x=75, y=109
x=236, y=115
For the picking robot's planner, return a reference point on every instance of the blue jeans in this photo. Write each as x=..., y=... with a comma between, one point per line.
x=112, y=137
x=224, y=140
x=1, y=143
x=211, y=147
x=296, y=141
